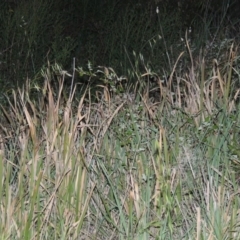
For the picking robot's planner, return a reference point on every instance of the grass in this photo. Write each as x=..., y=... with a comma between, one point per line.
x=145, y=162
x=95, y=155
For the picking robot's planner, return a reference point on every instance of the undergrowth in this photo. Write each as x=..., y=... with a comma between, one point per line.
x=88, y=153
x=110, y=160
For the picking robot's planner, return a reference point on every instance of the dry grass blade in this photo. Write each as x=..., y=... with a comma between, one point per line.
x=31, y=125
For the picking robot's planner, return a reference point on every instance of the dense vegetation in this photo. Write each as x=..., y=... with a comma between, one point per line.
x=119, y=120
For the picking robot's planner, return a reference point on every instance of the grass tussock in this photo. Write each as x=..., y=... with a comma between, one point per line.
x=156, y=162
